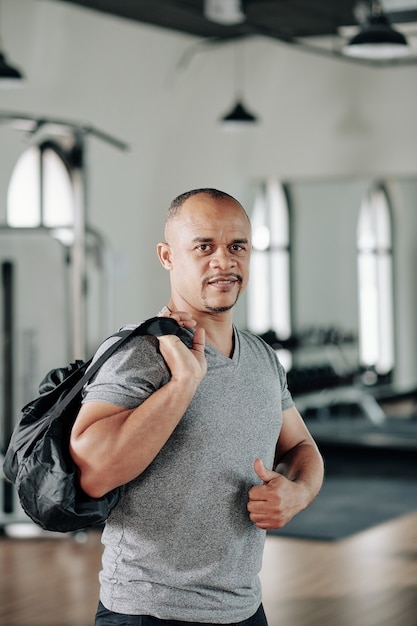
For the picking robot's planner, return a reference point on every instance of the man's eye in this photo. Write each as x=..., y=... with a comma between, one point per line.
x=204, y=247
x=237, y=247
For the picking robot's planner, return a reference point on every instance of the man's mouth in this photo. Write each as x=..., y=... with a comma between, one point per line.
x=224, y=281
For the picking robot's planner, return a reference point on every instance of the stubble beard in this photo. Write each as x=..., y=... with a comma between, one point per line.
x=221, y=309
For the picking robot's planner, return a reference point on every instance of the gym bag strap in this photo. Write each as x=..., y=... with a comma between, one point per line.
x=38, y=460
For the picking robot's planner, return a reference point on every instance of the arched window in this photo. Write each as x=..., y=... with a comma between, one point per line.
x=40, y=191
x=269, y=301
x=376, y=324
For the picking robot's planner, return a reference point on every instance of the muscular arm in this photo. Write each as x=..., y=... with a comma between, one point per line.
x=112, y=445
x=295, y=481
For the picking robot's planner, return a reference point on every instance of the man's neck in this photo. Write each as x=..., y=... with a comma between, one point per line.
x=222, y=341
x=219, y=331
x=218, y=327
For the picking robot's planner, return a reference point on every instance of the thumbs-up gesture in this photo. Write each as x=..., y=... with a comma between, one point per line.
x=274, y=503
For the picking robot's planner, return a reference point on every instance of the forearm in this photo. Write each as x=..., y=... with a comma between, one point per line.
x=110, y=450
x=304, y=465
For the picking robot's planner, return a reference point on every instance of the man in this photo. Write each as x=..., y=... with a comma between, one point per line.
x=191, y=427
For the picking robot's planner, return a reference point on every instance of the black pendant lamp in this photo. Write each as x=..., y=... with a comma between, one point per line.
x=238, y=117
x=377, y=39
x=9, y=75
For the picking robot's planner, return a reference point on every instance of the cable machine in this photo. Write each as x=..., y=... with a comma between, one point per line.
x=33, y=244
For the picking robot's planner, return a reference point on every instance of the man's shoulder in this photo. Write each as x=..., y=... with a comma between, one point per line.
x=250, y=337
x=131, y=344
x=255, y=343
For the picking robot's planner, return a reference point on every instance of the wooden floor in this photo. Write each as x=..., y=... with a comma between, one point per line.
x=367, y=580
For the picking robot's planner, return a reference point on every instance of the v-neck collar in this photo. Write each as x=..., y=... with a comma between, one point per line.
x=234, y=359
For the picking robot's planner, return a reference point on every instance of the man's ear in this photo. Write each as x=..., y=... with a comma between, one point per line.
x=164, y=253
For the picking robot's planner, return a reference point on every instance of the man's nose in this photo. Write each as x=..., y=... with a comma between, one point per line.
x=223, y=258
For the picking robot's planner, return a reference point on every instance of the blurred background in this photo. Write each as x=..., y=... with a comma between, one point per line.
x=305, y=111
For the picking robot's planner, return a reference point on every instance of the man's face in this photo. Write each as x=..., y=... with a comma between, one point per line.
x=208, y=254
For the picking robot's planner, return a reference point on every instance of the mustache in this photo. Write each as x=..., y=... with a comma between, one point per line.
x=228, y=276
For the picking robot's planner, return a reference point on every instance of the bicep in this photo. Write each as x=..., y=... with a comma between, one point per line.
x=93, y=414
x=92, y=440
x=293, y=433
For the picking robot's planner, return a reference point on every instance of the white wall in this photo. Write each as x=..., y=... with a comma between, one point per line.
x=322, y=120
x=404, y=199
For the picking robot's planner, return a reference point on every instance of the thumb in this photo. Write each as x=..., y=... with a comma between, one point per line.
x=199, y=340
x=262, y=472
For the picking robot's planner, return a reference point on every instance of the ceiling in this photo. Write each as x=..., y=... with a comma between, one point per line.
x=280, y=18
x=312, y=23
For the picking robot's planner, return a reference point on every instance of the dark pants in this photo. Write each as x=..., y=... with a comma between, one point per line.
x=108, y=618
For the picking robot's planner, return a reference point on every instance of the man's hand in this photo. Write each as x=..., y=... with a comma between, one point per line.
x=181, y=361
x=184, y=318
x=274, y=503
x=184, y=363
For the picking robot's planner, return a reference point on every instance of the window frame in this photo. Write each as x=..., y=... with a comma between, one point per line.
x=375, y=262
x=68, y=162
x=263, y=294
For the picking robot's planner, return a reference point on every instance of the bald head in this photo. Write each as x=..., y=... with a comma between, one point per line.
x=213, y=194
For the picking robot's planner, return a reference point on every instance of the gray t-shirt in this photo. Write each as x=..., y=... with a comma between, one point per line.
x=180, y=544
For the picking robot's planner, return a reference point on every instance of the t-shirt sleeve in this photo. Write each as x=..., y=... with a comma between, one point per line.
x=130, y=375
x=287, y=400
